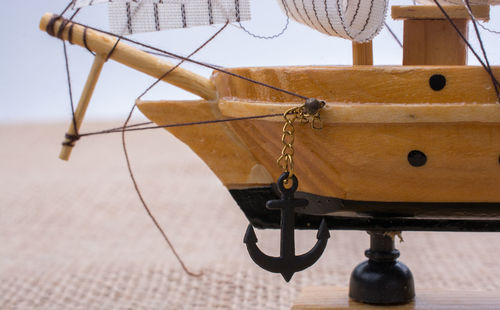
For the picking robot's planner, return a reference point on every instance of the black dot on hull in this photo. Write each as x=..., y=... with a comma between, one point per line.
x=437, y=82
x=417, y=158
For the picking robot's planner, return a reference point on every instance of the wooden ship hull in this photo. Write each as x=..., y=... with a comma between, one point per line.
x=362, y=153
x=420, y=140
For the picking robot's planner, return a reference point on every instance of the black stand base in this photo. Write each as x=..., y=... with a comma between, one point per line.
x=382, y=280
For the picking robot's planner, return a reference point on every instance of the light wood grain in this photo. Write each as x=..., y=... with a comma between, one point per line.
x=434, y=42
x=361, y=84
x=102, y=44
x=359, y=161
x=216, y=144
x=332, y=298
x=88, y=90
x=373, y=113
x=368, y=160
x=362, y=150
x=481, y=12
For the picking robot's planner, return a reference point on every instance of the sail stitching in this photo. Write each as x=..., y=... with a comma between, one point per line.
x=328, y=18
x=298, y=12
x=358, y=20
x=129, y=18
x=183, y=14
x=157, y=17
x=307, y=14
x=368, y=19
x=210, y=13
x=355, y=13
x=342, y=21
x=237, y=10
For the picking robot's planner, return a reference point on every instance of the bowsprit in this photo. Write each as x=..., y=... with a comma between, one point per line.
x=287, y=263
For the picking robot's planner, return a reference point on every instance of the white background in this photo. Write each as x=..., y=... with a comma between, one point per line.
x=33, y=80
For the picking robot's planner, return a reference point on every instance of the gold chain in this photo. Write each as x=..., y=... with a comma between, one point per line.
x=306, y=113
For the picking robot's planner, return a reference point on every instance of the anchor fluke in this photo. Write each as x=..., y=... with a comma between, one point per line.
x=287, y=263
x=323, y=232
x=250, y=236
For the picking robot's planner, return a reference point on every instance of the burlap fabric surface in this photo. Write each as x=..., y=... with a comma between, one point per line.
x=74, y=235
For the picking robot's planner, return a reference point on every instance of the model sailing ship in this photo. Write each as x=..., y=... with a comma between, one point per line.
x=412, y=147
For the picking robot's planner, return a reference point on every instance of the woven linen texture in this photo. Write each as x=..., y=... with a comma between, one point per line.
x=357, y=20
x=73, y=236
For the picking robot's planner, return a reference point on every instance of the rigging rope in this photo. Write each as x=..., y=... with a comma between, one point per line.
x=478, y=35
x=135, y=127
x=393, y=35
x=68, y=75
x=485, y=66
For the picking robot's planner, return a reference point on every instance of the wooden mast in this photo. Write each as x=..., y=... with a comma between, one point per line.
x=362, y=53
x=430, y=39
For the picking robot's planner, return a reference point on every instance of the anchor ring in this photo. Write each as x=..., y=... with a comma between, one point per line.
x=281, y=184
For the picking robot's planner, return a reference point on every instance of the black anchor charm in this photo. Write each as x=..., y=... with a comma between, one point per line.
x=287, y=263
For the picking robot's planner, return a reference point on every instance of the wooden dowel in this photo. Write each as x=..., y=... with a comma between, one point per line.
x=102, y=44
x=362, y=53
x=87, y=92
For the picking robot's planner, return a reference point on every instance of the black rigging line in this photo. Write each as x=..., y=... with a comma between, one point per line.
x=140, y=126
x=170, y=57
x=393, y=35
x=488, y=69
x=72, y=2
x=70, y=89
x=68, y=75
x=181, y=62
x=129, y=166
x=478, y=35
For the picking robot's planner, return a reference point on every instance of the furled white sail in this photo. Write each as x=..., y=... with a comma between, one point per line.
x=133, y=16
x=357, y=20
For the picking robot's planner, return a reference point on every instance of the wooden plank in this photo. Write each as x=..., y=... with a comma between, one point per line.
x=332, y=298
x=481, y=12
x=361, y=84
x=434, y=42
x=366, y=113
x=102, y=44
x=349, y=161
x=369, y=162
